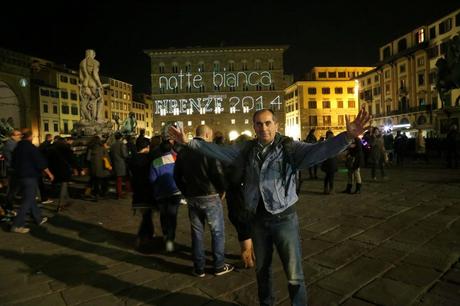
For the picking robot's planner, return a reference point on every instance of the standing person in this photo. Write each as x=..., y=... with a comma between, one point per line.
x=329, y=166
x=165, y=191
x=311, y=138
x=142, y=198
x=268, y=170
x=119, y=154
x=420, y=147
x=13, y=185
x=388, y=142
x=29, y=164
x=201, y=180
x=62, y=163
x=452, y=147
x=400, y=144
x=141, y=139
x=235, y=203
x=43, y=148
x=100, y=167
x=377, y=154
x=354, y=161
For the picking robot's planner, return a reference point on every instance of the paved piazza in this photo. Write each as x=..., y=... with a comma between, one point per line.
x=398, y=243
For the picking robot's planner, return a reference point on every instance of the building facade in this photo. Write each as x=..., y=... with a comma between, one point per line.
x=401, y=91
x=322, y=101
x=220, y=87
x=118, y=100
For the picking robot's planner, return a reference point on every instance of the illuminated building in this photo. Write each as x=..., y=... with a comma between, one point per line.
x=138, y=108
x=149, y=110
x=322, y=101
x=118, y=99
x=401, y=91
x=220, y=87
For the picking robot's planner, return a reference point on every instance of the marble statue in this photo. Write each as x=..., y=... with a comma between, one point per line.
x=91, y=90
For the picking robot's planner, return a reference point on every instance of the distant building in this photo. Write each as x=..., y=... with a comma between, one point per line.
x=220, y=87
x=322, y=101
x=149, y=110
x=118, y=99
x=401, y=91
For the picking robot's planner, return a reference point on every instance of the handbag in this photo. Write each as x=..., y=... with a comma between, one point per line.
x=106, y=163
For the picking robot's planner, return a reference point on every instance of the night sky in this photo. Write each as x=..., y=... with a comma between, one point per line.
x=323, y=33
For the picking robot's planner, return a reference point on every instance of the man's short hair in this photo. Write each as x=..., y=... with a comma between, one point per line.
x=26, y=133
x=264, y=110
x=118, y=136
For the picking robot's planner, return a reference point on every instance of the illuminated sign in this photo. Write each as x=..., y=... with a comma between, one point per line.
x=226, y=81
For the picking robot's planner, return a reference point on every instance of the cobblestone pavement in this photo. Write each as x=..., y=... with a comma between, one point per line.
x=397, y=243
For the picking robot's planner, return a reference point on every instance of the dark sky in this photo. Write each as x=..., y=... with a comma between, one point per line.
x=319, y=34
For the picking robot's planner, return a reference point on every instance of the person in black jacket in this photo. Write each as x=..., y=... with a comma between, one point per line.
x=142, y=197
x=201, y=180
x=28, y=163
x=354, y=161
x=329, y=166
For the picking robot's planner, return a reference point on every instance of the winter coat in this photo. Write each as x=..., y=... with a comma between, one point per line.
x=355, y=157
x=139, y=165
x=119, y=154
x=162, y=176
x=377, y=154
x=95, y=155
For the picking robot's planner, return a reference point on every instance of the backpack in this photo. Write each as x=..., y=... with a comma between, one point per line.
x=235, y=175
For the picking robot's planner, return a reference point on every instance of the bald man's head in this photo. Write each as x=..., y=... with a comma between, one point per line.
x=204, y=132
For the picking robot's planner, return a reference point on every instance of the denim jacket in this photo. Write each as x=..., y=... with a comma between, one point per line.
x=266, y=181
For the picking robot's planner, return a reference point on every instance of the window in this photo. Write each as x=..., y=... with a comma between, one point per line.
x=45, y=108
x=386, y=52
x=433, y=52
x=175, y=68
x=386, y=74
x=188, y=67
x=231, y=66
x=54, y=94
x=44, y=92
x=420, y=36
x=341, y=120
x=312, y=90
x=271, y=65
x=73, y=81
x=387, y=88
x=338, y=90
x=368, y=81
x=201, y=67
x=216, y=66
x=445, y=26
x=376, y=78
x=106, y=114
x=313, y=120
x=339, y=104
x=55, y=109
x=244, y=65
x=64, y=94
x=351, y=103
x=321, y=75
x=56, y=126
x=326, y=90
x=350, y=90
x=432, y=32
x=332, y=75
x=402, y=68
x=257, y=65
x=326, y=104
x=421, y=79
x=46, y=126
x=232, y=121
x=312, y=104
x=402, y=44
x=66, y=126
x=74, y=110
x=64, y=79
x=65, y=109
x=342, y=74
x=326, y=120
x=246, y=121
x=376, y=91
x=420, y=61
x=73, y=96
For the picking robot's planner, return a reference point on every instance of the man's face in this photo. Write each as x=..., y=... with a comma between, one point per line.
x=16, y=136
x=265, y=127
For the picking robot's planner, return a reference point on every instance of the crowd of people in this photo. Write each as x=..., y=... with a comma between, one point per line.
x=257, y=178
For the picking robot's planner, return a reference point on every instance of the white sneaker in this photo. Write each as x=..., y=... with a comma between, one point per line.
x=44, y=220
x=169, y=246
x=49, y=201
x=224, y=270
x=20, y=230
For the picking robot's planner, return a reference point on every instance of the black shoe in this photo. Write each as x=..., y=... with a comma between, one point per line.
x=224, y=270
x=198, y=273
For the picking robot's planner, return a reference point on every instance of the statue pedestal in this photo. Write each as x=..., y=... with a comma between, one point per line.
x=92, y=128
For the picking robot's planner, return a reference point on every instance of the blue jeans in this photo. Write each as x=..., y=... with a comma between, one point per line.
x=209, y=209
x=283, y=232
x=29, y=188
x=168, y=216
